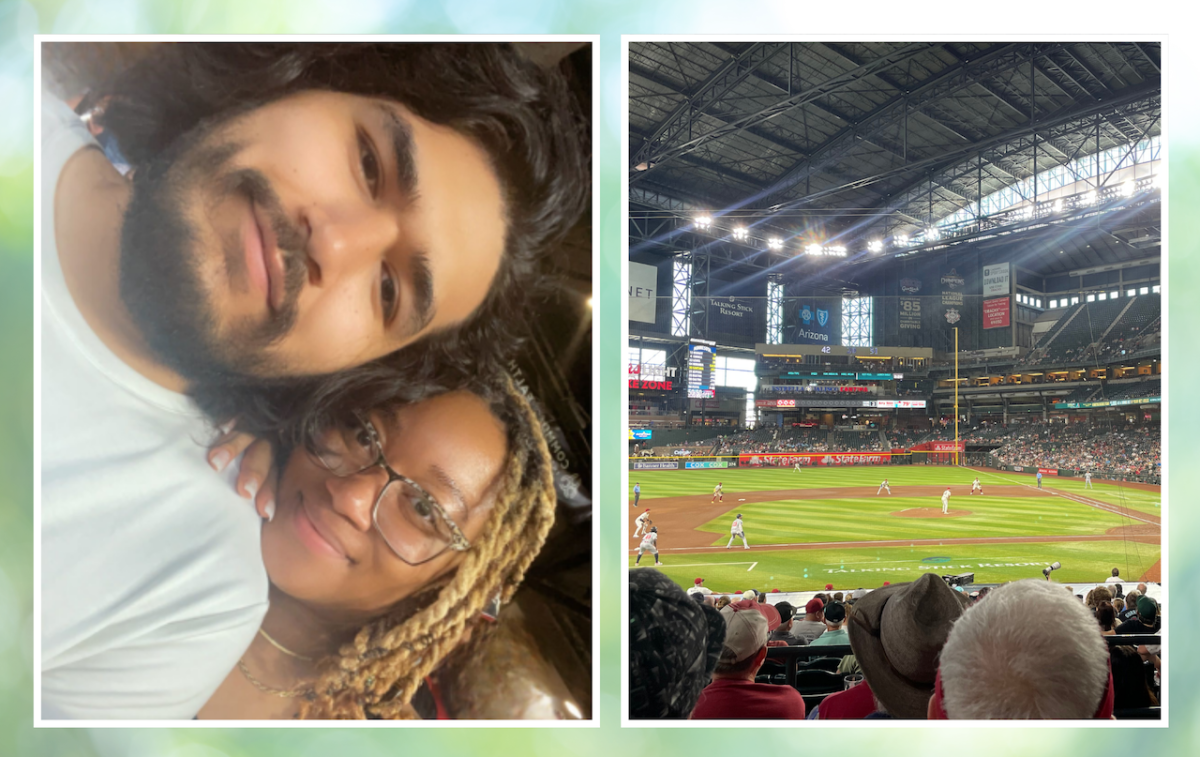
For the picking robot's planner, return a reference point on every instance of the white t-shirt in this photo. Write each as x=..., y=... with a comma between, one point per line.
x=152, y=580
x=736, y=528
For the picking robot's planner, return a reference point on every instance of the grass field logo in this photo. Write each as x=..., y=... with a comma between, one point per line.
x=935, y=559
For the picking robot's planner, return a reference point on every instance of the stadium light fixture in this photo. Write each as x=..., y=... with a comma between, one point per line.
x=1090, y=198
x=1127, y=188
x=739, y=232
x=813, y=249
x=703, y=222
x=875, y=245
x=932, y=234
x=1058, y=205
x=775, y=243
x=901, y=240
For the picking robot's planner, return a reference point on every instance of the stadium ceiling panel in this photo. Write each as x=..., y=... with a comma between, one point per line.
x=856, y=139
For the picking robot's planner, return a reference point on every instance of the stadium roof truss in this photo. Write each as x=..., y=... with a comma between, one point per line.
x=841, y=143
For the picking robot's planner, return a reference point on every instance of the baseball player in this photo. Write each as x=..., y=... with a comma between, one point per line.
x=946, y=501
x=643, y=524
x=1087, y=480
x=649, y=544
x=718, y=495
x=637, y=493
x=976, y=486
x=736, y=532
x=883, y=486
x=798, y=468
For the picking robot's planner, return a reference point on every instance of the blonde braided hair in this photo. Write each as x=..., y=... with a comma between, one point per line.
x=378, y=673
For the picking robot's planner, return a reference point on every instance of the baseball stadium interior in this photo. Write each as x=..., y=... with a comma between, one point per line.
x=933, y=265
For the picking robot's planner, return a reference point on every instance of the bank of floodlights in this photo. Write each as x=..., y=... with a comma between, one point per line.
x=901, y=240
x=775, y=243
x=703, y=222
x=1127, y=188
x=740, y=232
x=875, y=245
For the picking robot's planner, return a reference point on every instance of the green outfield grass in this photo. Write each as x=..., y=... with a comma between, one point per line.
x=811, y=569
x=870, y=518
x=825, y=520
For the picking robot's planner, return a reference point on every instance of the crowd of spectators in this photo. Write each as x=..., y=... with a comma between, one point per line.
x=1116, y=451
x=1030, y=649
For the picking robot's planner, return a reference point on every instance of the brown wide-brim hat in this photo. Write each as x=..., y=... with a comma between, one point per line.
x=897, y=633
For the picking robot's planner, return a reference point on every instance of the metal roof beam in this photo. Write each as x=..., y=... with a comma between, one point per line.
x=682, y=143
x=947, y=82
x=720, y=83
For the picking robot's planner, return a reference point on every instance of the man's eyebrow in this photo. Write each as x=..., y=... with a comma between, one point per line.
x=421, y=277
x=400, y=136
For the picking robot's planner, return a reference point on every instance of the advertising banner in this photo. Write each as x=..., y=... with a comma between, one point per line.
x=910, y=312
x=1048, y=471
x=952, y=296
x=996, y=313
x=731, y=315
x=641, y=433
x=655, y=465
x=996, y=282
x=643, y=285
x=698, y=464
x=658, y=386
x=945, y=446
x=831, y=459
x=818, y=321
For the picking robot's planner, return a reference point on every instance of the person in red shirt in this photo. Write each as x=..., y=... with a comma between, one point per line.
x=733, y=694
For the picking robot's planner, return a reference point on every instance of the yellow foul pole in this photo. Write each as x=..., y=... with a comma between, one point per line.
x=957, y=461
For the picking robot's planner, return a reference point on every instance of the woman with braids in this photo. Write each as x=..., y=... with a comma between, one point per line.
x=396, y=532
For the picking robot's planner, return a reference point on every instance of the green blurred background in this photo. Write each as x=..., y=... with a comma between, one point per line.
x=19, y=21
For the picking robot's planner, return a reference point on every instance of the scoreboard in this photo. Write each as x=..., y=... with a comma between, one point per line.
x=701, y=360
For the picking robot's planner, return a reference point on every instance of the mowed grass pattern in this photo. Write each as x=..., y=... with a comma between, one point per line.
x=871, y=518
x=869, y=567
x=799, y=520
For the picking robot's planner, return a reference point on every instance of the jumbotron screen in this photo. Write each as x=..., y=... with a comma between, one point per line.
x=701, y=359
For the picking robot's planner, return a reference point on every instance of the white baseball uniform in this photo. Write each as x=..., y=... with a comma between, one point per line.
x=735, y=532
x=976, y=486
x=717, y=493
x=642, y=521
x=945, y=502
x=883, y=486
x=1087, y=480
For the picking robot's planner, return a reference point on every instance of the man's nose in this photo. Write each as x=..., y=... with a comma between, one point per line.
x=347, y=240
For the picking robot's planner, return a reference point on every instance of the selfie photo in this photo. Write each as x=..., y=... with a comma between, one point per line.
x=314, y=375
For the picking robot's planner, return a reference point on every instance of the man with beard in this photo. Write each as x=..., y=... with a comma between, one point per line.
x=294, y=212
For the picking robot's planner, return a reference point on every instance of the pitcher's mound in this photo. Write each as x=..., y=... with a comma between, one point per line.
x=929, y=512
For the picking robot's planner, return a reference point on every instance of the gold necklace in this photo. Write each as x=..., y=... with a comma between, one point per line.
x=282, y=648
x=264, y=688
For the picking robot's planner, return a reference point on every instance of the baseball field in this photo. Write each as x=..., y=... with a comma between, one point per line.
x=833, y=526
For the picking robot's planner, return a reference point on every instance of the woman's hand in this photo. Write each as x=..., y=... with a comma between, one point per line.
x=257, y=476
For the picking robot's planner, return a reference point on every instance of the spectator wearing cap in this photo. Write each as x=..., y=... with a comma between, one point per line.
x=1115, y=578
x=699, y=588
x=896, y=634
x=813, y=624
x=674, y=645
x=784, y=631
x=1146, y=622
x=733, y=694
x=835, y=622
x=996, y=664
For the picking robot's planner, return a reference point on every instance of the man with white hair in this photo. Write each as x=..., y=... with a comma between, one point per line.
x=998, y=665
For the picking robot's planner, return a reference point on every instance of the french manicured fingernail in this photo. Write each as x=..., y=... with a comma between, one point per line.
x=251, y=488
x=219, y=460
x=269, y=508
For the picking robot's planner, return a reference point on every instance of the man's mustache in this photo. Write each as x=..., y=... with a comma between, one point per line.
x=289, y=237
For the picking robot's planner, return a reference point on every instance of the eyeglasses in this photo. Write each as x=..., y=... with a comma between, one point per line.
x=410, y=520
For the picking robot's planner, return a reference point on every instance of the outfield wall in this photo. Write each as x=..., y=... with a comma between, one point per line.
x=790, y=459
